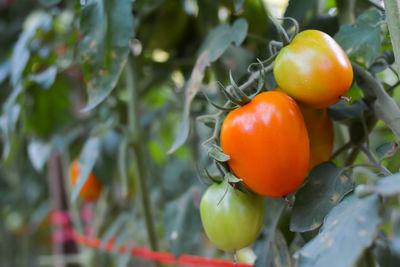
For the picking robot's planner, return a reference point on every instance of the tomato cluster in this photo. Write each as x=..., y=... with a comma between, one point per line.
x=276, y=138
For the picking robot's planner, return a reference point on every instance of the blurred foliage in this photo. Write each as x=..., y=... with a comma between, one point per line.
x=66, y=90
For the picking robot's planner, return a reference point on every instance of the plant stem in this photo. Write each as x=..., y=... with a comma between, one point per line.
x=340, y=150
x=346, y=11
x=136, y=146
x=373, y=160
x=384, y=106
x=393, y=20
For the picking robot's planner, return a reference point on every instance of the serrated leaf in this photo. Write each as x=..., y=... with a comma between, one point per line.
x=386, y=149
x=87, y=160
x=230, y=177
x=349, y=229
x=365, y=42
x=106, y=27
x=342, y=111
x=38, y=153
x=325, y=187
x=217, y=154
x=182, y=221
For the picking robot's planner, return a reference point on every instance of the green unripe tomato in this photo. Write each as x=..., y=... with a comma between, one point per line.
x=231, y=220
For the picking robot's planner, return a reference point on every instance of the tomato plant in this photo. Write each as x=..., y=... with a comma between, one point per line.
x=92, y=188
x=263, y=138
x=320, y=132
x=231, y=220
x=313, y=69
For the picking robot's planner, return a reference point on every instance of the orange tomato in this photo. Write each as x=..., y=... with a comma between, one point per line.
x=92, y=189
x=313, y=69
x=320, y=133
x=268, y=144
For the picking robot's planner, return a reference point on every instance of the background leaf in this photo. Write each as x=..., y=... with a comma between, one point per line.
x=87, y=160
x=182, y=221
x=106, y=27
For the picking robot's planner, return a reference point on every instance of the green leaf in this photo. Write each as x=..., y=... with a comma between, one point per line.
x=388, y=186
x=182, y=221
x=219, y=39
x=231, y=178
x=87, y=160
x=38, y=153
x=238, y=4
x=8, y=122
x=106, y=27
x=325, y=187
x=349, y=229
x=362, y=40
x=275, y=251
x=342, y=111
x=113, y=229
x=265, y=246
x=192, y=88
x=215, y=44
x=386, y=149
x=21, y=53
x=46, y=78
x=298, y=9
x=217, y=154
x=4, y=70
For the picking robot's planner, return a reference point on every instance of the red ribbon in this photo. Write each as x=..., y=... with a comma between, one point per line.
x=67, y=233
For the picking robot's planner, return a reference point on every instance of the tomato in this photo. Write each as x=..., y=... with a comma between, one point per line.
x=320, y=133
x=313, y=69
x=268, y=144
x=231, y=220
x=92, y=189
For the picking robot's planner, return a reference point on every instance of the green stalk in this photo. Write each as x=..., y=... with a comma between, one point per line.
x=393, y=20
x=136, y=146
x=346, y=11
x=384, y=106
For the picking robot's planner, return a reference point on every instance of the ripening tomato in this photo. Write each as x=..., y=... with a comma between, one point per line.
x=313, y=69
x=268, y=144
x=231, y=220
x=320, y=133
x=91, y=190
